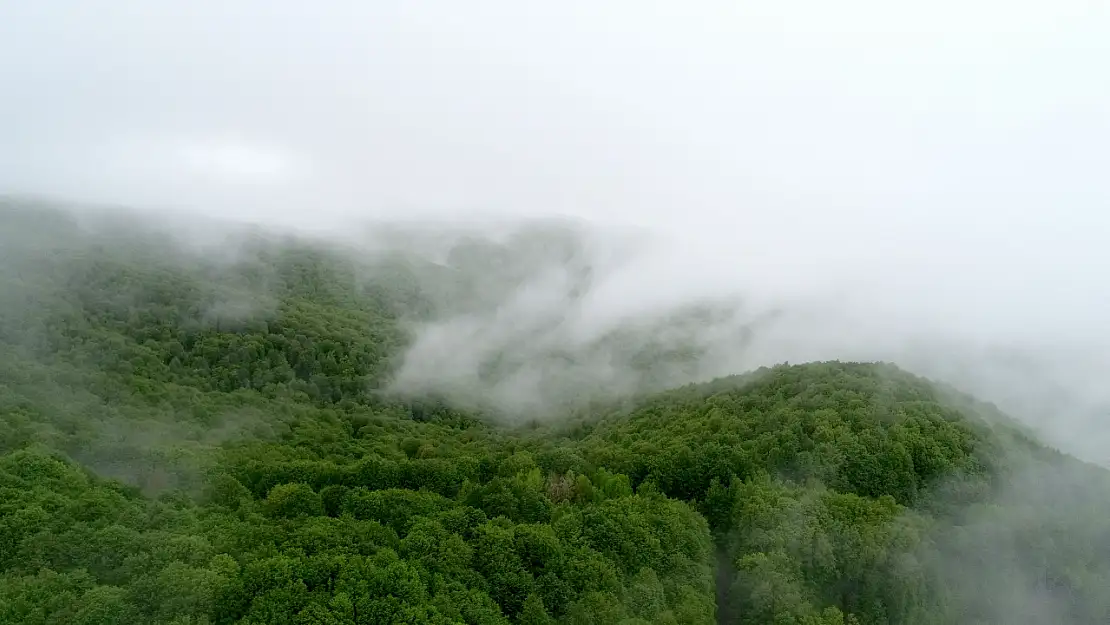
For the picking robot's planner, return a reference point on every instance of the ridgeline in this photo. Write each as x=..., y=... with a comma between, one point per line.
x=209, y=436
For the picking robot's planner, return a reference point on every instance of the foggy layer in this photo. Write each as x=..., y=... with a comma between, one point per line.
x=924, y=185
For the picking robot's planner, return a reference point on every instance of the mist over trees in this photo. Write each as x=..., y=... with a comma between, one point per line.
x=251, y=428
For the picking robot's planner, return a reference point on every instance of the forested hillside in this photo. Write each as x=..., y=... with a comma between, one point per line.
x=210, y=435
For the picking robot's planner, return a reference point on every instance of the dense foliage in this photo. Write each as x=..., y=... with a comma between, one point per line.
x=189, y=437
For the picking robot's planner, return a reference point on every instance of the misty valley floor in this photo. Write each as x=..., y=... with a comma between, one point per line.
x=198, y=439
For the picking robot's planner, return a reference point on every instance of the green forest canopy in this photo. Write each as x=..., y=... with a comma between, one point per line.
x=197, y=439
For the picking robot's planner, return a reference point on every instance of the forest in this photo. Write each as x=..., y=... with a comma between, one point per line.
x=190, y=437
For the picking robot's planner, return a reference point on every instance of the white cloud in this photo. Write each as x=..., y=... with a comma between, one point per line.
x=895, y=168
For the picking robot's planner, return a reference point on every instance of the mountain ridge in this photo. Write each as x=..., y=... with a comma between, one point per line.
x=216, y=438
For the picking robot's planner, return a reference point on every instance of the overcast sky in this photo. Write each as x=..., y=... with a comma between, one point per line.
x=943, y=162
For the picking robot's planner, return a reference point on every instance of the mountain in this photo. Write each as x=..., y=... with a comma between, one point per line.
x=221, y=430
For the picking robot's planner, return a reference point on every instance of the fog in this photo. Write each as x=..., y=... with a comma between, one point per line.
x=923, y=184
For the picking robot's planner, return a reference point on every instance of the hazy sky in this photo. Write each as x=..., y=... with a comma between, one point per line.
x=942, y=164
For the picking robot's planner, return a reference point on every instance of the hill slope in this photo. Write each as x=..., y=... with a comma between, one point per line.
x=210, y=438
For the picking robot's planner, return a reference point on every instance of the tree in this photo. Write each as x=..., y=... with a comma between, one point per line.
x=290, y=501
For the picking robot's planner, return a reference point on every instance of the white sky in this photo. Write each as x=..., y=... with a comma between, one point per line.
x=944, y=164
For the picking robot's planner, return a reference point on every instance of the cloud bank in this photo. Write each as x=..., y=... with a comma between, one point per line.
x=920, y=184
